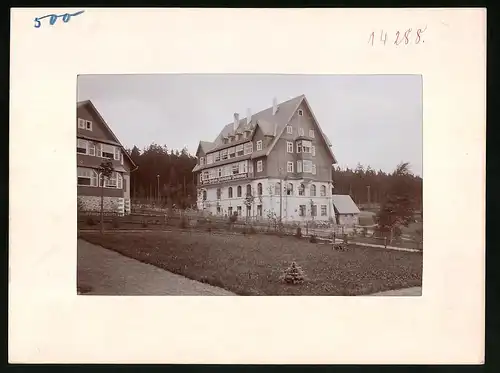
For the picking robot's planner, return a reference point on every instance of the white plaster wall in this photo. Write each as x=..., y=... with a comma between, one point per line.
x=270, y=201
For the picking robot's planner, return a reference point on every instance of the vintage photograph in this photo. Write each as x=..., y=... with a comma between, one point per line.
x=246, y=184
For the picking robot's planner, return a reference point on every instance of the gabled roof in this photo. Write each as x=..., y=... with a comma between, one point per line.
x=344, y=204
x=271, y=125
x=90, y=105
x=205, y=146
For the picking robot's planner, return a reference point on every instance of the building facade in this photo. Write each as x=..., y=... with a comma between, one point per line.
x=276, y=163
x=96, y=143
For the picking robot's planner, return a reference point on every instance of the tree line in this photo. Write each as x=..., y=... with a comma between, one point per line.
x=367, y=186
x=165, y=176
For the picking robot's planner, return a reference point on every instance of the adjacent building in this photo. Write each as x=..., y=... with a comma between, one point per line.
x=275, y=163
x=346, y=211
x=96, y=143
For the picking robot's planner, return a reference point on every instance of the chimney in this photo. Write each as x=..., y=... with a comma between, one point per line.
x=275, y=129
x=275, y=105
x=236, y=121
x=249, y=115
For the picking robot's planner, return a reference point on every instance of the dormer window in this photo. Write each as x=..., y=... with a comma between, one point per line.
x=300, y=112
x=202, y=161
x=237, y=137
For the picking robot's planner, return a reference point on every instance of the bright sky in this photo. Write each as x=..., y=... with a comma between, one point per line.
x=374, y=120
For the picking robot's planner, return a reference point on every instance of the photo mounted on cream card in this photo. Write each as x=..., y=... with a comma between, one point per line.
x=247, y=184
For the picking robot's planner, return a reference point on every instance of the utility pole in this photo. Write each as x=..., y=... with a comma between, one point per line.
x=158, y=181
x=369, y=195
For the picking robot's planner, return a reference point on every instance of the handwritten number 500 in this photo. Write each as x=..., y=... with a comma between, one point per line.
x=53, y=18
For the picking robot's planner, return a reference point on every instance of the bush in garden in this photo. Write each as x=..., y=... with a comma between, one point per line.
x=293, y=275
x=313, y=239
x=90, y=221
x=298, y=233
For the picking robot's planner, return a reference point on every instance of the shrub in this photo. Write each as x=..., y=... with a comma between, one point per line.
x=90, y=221
x=233, y=218
x=298, y=233
x=293, y=275
x=313, y=239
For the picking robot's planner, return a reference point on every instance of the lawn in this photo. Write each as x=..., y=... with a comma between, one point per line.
x=253, y=264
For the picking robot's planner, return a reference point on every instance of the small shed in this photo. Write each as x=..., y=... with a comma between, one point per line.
x=346, y=211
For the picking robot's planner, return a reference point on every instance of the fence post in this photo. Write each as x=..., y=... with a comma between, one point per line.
x=385, y=242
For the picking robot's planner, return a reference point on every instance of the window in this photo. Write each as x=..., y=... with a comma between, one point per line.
x=322, y=191
x=205, y=175
x=277, y=189
x=119, y=179
x=289, y=167
x=231, y=152
x=289, y=129
x=106, y=151
x=250, y=168
x=88, y=125
x=210, y=159
x=289, y=147
x=237, y=137
x=289, y=189
x=313, y=151
x=117, y=153
x=204, y=195
x=299, y=147
x=323, y=210
x=243, y=167
x=259, y=189
x=259, y=166
x=301, y=132
x=306, y=146
x=302, y=190
x=259, y=210
x=211, y=173
x=238, y=210
x=313, y=169
x=259, y=145
x=217, y=157
x=81, y=123
x=81, y=146
x=86, y=177
x=218, y=210
x=248, y=148
x=219, y=172
x=312, y=190
x=112, y=182
x=249, y=190
x=230, y=211
x=238, y=192
x=219, y=193
x=300, y=112
x=307, y=166
x=202, y=161
x=235, y=169
x=314, y=210
x=244, y=134
x=249, y=212
x=311, y=133
x=299, y=166
x=230, y=192
x=224, y=154
x=239, y=150
x=302, y=210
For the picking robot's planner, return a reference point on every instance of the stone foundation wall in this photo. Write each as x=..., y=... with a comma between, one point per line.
x=93, y=203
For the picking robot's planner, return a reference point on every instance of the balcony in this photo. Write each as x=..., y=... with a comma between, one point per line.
x=224, y=179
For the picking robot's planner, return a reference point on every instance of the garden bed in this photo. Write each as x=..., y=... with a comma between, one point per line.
x=253, y=264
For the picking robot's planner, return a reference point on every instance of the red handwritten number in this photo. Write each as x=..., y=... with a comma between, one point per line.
x=407, y=33
x=419, y=33
x=372, y=36
x=383, y=36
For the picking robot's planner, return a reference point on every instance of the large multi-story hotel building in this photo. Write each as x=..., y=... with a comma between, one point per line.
x=277, y=162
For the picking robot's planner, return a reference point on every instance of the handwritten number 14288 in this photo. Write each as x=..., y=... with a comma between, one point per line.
x=406, y=37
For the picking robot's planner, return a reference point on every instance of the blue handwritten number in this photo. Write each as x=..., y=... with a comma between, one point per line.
x=53, y=18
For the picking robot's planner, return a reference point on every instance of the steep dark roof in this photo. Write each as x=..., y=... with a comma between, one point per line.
x=90, y=105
